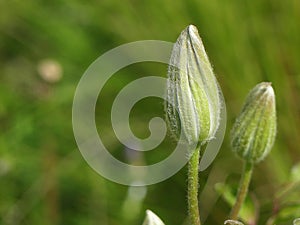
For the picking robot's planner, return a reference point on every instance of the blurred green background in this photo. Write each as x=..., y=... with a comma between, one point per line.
x=45, y=47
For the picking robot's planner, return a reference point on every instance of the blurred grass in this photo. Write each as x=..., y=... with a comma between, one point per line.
x=44, y=179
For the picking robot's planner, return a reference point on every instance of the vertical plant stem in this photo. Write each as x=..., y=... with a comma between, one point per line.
x=193, y=186
x=243, y=190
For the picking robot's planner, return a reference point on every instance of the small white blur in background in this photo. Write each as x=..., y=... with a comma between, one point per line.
x=50, y=70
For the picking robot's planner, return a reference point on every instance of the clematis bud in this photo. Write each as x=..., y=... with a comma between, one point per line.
x=193, y=98
x=254, y=131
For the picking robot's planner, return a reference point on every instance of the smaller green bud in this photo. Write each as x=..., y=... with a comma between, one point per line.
x=254, y=131
x=193, y=95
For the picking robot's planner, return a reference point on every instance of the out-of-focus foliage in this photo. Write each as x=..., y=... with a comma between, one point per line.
x=45, y=47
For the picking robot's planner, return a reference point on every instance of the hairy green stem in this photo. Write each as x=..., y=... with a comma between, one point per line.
x=193, y=186
x=243, y=190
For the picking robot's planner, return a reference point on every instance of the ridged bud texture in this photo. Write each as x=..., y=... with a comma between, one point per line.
x=193, y=98
x=254, y=131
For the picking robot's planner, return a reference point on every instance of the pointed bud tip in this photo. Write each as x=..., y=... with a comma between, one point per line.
x=193, y=33
x=192, y=29
x=267, y=86
x=267, y=89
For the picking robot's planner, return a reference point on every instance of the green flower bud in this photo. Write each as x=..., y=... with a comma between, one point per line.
x=254, y=131
x=193, y=98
